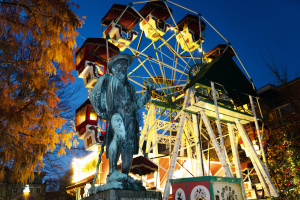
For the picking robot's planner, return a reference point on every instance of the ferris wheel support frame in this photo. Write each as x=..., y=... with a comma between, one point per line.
x=216, y=144
x=259, y=167
x=161, y=135
x=218, y=119
x=196, y=136
x=253, y=160
x=258, y=133
x=236, y=159
x=175, y=149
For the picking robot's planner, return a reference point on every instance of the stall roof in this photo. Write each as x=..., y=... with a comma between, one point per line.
x=224, y=71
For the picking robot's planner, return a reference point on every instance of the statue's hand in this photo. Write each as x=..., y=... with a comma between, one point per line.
x=149, y=84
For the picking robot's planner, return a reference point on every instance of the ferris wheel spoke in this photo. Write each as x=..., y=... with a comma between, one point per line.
x=176, y=61
x=137, y=52
x=143, y=87
x=174, y=69
x=142, y=63
x=174, y=34
x=140, y=40
x=144, y=1
x=151, y=58
x=159, y=85
x=135, y=82
x=162, y=72
x=132, y=71
x=182, y=7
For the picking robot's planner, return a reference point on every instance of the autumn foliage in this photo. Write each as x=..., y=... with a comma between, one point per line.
x=37, y=41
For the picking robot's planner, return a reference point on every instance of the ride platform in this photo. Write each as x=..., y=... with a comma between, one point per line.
x=226, y=114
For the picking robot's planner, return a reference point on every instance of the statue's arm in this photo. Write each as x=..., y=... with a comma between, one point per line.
x=141, y=101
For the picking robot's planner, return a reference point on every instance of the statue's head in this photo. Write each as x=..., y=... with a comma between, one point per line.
x=119, y=64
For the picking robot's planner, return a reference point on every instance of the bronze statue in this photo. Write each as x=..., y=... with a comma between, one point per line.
x=115, y=100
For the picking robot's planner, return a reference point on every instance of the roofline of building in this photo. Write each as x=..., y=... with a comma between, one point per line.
x=272, y=86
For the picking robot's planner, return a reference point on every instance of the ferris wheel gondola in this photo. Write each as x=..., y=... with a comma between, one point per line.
x=189, y=34
x=91, y=59
x=154, y=25
x=120, y=21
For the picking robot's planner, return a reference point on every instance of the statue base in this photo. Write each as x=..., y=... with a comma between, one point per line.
x=118, y=181
x=125, y=195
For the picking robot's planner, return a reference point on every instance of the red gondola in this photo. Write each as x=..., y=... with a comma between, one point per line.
x=157, y=9
x=86, y=126
x=125, y=24
x=156, y=13
x=91, y=59
x=85, y=117
x=128, y=20
x=189, y=32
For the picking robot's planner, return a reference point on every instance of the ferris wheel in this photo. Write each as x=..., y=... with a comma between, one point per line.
x=170, y=49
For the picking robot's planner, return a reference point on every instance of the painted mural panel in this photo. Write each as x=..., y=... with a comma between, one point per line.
x=179, y=191
x=227, y=191
x=199, y=190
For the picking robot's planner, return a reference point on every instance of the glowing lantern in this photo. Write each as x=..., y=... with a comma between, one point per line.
x=86, y=119
x=26, y=190
x=91, y=59
x=125, y=24
x=155, y=13
x=218, y=50
x=189, y=32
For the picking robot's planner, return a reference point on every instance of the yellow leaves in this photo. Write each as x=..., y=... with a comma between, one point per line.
x=61, y=151
x=75, y=143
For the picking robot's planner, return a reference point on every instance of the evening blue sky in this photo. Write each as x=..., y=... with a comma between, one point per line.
x=254, y=28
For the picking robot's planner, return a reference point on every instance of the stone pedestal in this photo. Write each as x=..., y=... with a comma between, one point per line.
x=125, y=195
